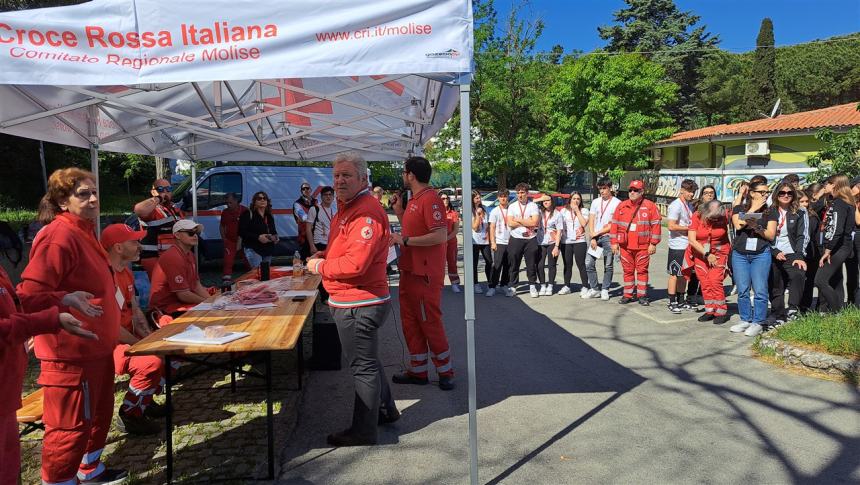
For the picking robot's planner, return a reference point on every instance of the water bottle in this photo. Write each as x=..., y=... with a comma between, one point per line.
x=264, y=271
x=297, y=265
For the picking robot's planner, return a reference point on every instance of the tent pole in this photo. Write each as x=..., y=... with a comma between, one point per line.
x=194, y=192
x=468, y=256
x=92, y=125
x=44, y=167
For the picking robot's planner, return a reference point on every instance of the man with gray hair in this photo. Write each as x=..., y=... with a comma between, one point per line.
x=352, y=267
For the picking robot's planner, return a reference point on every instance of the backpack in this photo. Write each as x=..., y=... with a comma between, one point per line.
x=11, y=241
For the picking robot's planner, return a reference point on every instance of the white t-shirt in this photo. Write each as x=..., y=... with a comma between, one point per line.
x=603, y=211
x=682, y=213
x=549, y=224
x=323, y=219
x=521, y=211
x=572, y=226
x=481, y=235
x=499, y=216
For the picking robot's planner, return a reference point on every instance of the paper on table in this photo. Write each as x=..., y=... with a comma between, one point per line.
x=232, y=308
x=596, y=252
x=195, y=335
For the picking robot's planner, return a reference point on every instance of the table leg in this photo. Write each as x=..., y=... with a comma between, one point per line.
x=232, y=373
x=270, y=418
x=168, y=420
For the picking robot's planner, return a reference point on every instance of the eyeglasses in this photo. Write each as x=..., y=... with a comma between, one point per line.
x=189, y=232
x=635, y=190
x=709, y=193
x=762, y=192
x=163, y=188
x=785, y=192
x=86, y=194
x=444, y=198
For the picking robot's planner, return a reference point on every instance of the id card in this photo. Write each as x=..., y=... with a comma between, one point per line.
x=707, y=247
x=752, y=244
x=119, y=298
x=632, y=227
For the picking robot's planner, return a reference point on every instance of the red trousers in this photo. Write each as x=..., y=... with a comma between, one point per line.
x=451, y=258
x=711, y=281
x=78, y=407
x=10, y=449
x=230, y=253
x=146, y=373
x=421, y=317
x=634, y=264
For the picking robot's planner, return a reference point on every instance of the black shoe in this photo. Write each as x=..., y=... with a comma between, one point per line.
x=625, y=301
x=345, y=438
x=137, y=425
x=388, y=417
x=110, y=476
x=644, y=301
x=674, y=308
x=407, y=378
x=446, y=383
x=720, y=320
x=155, y=410
x=707, y=317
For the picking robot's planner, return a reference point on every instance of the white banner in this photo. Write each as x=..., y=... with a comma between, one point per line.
x=108, y=42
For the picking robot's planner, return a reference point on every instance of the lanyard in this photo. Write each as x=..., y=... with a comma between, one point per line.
x=546, y=220
x=782, y=216
x=327, y=214
x=504, y=220
x=687, y=210
x=603, y=204
x=522, y=210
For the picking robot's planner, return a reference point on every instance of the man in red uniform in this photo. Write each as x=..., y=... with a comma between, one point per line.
x=157, y=216
x=15, y=329
x=422, y=275
x=635, y=233
x=230, y=236
x=353, y=271
x=175, y=283
x=123, y=246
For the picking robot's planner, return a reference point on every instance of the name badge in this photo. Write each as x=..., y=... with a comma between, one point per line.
x=752, y=244
x=120, y=300
x=707, y=247
x=632, y=228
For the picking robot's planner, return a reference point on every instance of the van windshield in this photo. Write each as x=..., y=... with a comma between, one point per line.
x=181, y=189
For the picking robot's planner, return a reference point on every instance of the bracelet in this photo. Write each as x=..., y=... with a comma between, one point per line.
x=406, y=241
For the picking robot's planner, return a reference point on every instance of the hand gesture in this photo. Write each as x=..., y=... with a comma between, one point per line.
x=394, y=203
x=824, y=260
x=652, y=249
x=555, y=252
x=73, y=326
x=593, y=243
x=615, y=249
x=316, y=255
x=712, y=260
x=263, y=238
x=395, y=239
x=79, y=300
x=799, y=263
x=313, y=265
x=780, y=256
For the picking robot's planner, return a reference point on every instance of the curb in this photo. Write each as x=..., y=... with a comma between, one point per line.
x=810, y=359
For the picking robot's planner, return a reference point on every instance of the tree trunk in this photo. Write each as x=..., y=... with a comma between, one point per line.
x=502, y=179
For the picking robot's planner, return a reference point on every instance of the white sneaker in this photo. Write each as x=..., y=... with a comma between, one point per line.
x=593, y=293
x=565, y=290
x=754, y=330
x=478, y=288
x=583, y=292
x=509, y=292
x=604, y=295
x=490, y=292
x=455, y=288
x=549, y=290
x=533, y=291
x=739, y=327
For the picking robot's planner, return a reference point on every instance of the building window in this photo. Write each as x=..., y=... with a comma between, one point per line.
x=683, y=157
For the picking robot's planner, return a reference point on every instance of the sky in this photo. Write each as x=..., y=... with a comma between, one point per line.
x=573, y=23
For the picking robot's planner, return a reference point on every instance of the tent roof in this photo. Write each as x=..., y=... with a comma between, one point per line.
x=300, y=99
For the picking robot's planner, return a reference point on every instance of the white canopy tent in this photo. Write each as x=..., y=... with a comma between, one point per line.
x=245, y=80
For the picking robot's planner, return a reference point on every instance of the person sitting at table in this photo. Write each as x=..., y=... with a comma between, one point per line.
x=176, y=285
x=122, y=244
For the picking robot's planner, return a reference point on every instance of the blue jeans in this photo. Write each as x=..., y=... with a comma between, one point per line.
x=255, y=259
x=608, y=260
x=752, y=271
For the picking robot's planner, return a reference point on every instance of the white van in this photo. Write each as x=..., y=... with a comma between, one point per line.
x=283, y=185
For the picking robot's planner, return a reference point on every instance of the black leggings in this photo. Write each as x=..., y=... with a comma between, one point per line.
x=546, y=254
x=569, y=254
x=782, y=272
x=519, y=250
x=812, y=258
x=485, y=251
x=501, y=266
x=830, y=276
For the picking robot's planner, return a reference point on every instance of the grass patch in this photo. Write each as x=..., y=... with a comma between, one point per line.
x=837, y=334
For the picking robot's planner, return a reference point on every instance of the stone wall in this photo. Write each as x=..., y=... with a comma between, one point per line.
x=820, y=361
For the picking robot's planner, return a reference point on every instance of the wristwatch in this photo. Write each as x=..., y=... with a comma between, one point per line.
x=406, y=241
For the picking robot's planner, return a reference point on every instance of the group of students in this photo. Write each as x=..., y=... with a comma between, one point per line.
x=792, y=237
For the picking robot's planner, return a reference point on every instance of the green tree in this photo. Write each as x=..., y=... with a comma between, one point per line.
x=840, y=155
x=668, y=36
x=761, y=94
x=723, y=86
x=606, y=110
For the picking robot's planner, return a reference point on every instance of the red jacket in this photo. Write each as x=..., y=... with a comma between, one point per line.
x=15, y=329
x=646, y=218
x=354, y=268
x=66, y=257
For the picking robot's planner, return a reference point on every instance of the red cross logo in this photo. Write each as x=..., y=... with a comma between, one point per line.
x=292, y=97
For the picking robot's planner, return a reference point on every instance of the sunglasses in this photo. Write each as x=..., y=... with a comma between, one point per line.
x=86, y=194
x=783, y=192
x=189, y=232
x=305, y=188
x=635, y=190
x=261, y=197
x=163, y=188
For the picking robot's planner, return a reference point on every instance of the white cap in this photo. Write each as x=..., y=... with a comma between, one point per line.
x=187, y=225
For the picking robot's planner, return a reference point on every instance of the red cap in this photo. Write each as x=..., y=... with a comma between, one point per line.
x=118, y=233
x=637, y=184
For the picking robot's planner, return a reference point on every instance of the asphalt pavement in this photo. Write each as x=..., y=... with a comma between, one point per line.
x=589, y=391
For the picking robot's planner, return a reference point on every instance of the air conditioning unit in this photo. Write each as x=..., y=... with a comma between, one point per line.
x=657, y=154
x=757, y=148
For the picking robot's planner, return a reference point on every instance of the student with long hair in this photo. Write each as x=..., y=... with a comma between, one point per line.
x=751, y=257
x=481, y=241
x=573, y=220
x=789, y=254
x=257, y=228
x=548, y=231
x=813, y=248
x=837, y=228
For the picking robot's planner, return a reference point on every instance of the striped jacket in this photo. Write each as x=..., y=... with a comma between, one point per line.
x=646, y=218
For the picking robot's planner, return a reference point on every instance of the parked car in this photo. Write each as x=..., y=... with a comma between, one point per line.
x=490, y=200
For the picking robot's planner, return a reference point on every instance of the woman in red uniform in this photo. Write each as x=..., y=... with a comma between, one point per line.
x=77, y=374
x=708, y=257
x=453, y=218
x=15, y=329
